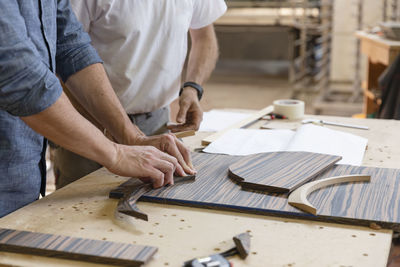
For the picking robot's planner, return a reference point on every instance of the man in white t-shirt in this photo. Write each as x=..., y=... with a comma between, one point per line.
x=144, y=44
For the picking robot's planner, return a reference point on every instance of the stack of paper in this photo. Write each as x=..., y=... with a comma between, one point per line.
x=309, y=138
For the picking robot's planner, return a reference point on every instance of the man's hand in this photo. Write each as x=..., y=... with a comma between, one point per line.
x=190, y=113
x=146, y=163
x=168, y=143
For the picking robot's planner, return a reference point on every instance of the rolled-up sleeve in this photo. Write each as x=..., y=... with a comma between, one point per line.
x=74, y=51
x=27, y=86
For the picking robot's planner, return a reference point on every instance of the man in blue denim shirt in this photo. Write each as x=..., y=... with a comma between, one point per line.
x=38, y=39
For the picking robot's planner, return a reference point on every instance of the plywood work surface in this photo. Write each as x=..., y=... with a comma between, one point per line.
x=83, y=209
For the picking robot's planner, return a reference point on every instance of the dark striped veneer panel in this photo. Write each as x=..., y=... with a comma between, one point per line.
x=72, y=248
x=352, y=203
x=280, y=172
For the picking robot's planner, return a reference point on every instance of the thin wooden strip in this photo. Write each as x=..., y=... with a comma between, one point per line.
x=255, y=116
x=72, y=248
x=279, y=171
x=185, y=133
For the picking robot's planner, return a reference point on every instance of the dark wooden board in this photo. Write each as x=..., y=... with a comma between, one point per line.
x=353, y=203
x=279, y=172
x=71, y=248
x=133, y=184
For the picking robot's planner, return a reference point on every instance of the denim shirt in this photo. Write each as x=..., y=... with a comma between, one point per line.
x=38, y=39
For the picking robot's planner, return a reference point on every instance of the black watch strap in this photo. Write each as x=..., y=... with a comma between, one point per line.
x=194, y=85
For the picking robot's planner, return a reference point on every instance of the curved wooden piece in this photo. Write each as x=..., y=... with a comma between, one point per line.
x=127, y=204
x=299, y=200
x=130, y=191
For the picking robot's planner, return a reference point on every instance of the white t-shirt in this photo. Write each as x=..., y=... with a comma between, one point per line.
x=143, y=44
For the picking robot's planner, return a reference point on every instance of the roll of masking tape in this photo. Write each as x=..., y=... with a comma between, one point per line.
x=290, y=108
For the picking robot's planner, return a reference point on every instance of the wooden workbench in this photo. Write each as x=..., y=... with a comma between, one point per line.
x=381, y=52
x=83, y=209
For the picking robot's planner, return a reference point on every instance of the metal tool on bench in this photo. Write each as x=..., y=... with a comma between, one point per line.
x=316, y=121
x=242, y=248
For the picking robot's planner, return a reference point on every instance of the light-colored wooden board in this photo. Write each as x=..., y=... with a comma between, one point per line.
x=251, y=118
x=185, y=133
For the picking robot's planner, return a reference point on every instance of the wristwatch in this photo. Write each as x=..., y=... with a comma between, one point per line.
x=195, y=86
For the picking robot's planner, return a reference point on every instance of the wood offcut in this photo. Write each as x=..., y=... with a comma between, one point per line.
x=71, y=248
x=279, y=172
x=298, y=198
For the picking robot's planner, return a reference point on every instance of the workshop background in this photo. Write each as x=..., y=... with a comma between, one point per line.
x=301, y=49
x=341, y=57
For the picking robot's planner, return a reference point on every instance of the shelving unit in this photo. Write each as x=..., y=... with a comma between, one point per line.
x=313, y=63
x=311, y=47
x=381, y=53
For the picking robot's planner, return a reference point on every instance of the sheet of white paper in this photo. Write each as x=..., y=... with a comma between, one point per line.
x=318, y=139
x=309, y=138
x=216, y=120
x=243, y=142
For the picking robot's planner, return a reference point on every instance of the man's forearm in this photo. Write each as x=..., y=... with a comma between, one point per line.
x=92, y=89
x=203, y=54
x=63, y=125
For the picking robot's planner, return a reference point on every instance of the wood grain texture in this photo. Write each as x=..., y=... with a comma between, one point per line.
x=353, y=203
x=298, y=198
x=72, y=248
x=280, y=172
x=134, y=184
x=242, y=243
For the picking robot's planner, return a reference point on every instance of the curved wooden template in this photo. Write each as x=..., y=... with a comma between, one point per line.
x=132, y=193
x=127, y=204
x=299, y=200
